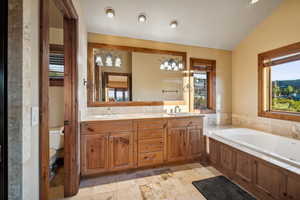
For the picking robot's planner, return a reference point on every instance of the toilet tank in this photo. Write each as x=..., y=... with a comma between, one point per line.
x=56, y=138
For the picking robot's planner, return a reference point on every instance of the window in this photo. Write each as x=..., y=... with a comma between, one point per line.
x=279, y=83
x=117, y=87
x=56, y=65
x=203, y=85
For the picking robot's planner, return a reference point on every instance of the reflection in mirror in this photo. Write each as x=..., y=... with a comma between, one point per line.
x=125, y=76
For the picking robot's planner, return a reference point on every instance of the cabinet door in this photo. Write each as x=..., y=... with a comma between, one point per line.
x=195, y=142
x=244, y=167
x=268, y=180
x=214, y=152
x=177, y=144
x=292, y=187
x=121, y=150
x=94, y=153
x=227, y=158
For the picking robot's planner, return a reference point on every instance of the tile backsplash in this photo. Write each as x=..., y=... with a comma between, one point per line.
x=278, y=127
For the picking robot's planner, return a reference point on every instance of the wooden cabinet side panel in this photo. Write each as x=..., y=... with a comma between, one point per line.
x=292, y=187
x=268, y=179
x=177, y=144
x=243, y=169
x=214, y=152
x=195, y=143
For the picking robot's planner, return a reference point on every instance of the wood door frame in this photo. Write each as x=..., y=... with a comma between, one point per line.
x=3, y=100
x=72, y=177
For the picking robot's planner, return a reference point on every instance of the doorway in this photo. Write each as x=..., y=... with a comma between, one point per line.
x=3, y=100
x=67, y=51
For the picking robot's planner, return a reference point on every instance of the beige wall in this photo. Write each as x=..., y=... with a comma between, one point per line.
x=148, y=80
x=223, y=58
x=56, y=94
x=56, y=106
x=279, y=29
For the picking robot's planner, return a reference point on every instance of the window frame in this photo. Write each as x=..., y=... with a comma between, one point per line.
x=263, y=111
x=211, y=83
x=56, y=81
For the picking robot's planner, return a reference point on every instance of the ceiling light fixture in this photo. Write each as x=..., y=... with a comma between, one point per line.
x=142, y=18
x=174, y=24
x=254, y=1
x=110, y=13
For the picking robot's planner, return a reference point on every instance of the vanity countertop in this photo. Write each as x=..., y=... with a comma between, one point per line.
x=140, y=116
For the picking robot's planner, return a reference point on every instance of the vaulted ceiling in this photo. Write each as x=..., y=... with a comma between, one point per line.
x=207, y=23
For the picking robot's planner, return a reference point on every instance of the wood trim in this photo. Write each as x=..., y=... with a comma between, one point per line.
x=262, y=111
x=210, y=63
x=72, y=175
x=139, y=49
x=43, y=100
x=56, y=48
x=90, y=77
x=71, y=147
x=56, y=82
x=211, y=69
x=4, y=100
x=282, y=51
x=67, y=8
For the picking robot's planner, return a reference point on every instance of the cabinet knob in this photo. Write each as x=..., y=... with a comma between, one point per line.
x=285, y=194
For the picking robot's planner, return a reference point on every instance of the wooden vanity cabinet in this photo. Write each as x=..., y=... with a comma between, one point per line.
x=121, y=150
x=117, y=145
x=151, y=141
x=185, y=139
x=106, y=146
x=94, y=153
x=195, y=142
x=177, y=144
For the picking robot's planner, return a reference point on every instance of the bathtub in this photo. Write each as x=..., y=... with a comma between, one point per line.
x=278, y=148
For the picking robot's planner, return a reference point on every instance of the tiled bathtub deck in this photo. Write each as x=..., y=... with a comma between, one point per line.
x=166, y=183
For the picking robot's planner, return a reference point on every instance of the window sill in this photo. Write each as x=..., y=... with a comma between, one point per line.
x=280, y=115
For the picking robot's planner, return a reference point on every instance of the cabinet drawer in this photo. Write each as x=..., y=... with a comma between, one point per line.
x=152, y=124
x=150, y=133
x=152, y=158
x=151, y=145
x=106, y=126
x=184, y=122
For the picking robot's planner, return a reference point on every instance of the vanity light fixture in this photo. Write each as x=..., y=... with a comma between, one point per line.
x=142, y=18
x=254, y=1
x=174, y=24
x=110, y=13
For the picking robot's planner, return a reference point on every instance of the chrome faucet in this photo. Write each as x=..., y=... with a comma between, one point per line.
x=177, y=108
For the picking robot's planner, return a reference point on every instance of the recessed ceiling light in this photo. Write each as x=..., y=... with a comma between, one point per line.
x=142, y=18
x=174, y=24
x=254, y=1
x=110, y=13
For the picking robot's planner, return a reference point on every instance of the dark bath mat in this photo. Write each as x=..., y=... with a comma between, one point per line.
x=220, y=188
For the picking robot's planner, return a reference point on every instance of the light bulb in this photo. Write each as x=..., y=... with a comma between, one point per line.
x=110, y=13
x=142, y=18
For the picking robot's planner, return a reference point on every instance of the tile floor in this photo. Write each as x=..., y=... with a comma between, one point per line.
x=164, y=183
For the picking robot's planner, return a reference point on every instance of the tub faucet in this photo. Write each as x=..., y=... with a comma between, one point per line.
x=177, y=109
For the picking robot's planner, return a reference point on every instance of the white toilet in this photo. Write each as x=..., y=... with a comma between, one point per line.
x=56, y=138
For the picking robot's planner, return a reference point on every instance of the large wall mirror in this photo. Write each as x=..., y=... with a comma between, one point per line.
x=130, y=76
